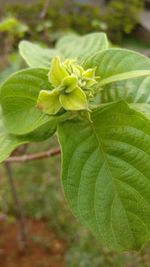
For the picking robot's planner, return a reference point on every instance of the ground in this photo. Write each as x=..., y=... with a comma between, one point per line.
x=43, y=249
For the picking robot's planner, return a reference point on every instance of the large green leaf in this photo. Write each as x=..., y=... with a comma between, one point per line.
x=18, y=97
x=106, y=174
x=134, y=91
x=84, y=46
x=118, y=64
x=36, y=56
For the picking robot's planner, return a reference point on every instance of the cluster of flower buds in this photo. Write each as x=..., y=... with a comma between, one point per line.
x=72, y=86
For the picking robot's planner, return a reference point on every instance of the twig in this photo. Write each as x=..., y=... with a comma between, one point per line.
x=45, y=9
x=32, y=157
x=17, y=203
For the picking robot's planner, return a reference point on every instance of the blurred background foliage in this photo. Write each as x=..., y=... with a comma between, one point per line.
x=47, y=20
x=38, y=183
x=122, y=17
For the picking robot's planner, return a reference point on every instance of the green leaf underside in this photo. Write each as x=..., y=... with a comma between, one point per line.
x=18, y=97
x=118, y=64
x=84, y=46
x=106, y=174
x=36, y=56
x=8, y=142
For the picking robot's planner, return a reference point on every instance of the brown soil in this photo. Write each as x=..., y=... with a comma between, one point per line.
x=43, y=248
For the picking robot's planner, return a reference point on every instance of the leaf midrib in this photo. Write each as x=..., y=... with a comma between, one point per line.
x=108, y=170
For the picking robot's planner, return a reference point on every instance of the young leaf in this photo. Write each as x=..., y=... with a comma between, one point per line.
x=118, y=64
x=106, y=174
x=18, y=98
x=84, y=46
x=36, y=56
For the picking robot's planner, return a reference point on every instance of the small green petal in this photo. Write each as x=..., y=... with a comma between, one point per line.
x=90, y=73
x=57, y=72
x=70, y=83
x=75, y=100
x=68, y=62
x=48, y=101
x=90, y=82
x=78, y=70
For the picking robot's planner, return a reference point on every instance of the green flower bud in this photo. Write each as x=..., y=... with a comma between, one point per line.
x=70, y=84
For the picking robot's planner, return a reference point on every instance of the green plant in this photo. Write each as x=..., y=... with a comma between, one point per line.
x=97, y=100
x=13, y=26
x=122, y=17
x=59, y=15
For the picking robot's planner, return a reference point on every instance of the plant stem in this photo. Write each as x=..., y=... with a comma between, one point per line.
x=32, y=157
x=17, y=204
x=45, y=9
